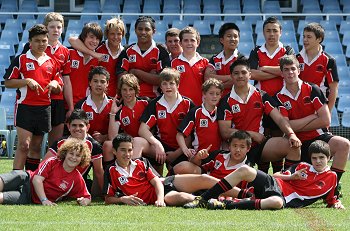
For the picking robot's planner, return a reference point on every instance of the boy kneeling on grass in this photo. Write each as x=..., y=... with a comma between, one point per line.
x=299, y=186
x=55, y=179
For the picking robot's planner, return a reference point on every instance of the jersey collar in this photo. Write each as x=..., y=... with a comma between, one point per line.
x=138, y=50
x=123, y=172
x=81, y=54
x=285, y=91
x=193, y=62
x=121, y=48
x=92, y=104
x=31, y=56
x=305, y=58
x=264, y=50
x=53, y=49
x=312, y=169
x=207, y=113
x=234, y=95
x=221, y=56
x=165, y=104
x=227, y=159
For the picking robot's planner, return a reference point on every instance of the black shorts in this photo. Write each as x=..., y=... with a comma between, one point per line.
x=306, y=144
x=168, y=184
x=58, y=113
x=254, y=154
x=266, y=186
x=35, y=119
x=16, y=187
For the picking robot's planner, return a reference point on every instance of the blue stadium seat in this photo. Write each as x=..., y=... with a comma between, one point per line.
x=309, y=2
x=260, y=39
x=272, y=7
x=159, y=37
x=131, y=7
x=152, y=9
x=203, y=27
x=346, y=8
x=132, y=38
x=180, y=24
x=331, y=36
x=347, y=52
x=330, y=8
x=211, y=18
x=114, y=8
x=9, y=6
x=344, y=87
x=287, y=25
x=344, y=102
x=20, y=47
x=4, y=17
x=245, y=48
x=191, y=9
x=329, y=25
x=87, y=18
x=30, y=23
x=70, y=33
x=244, y=26
x=169, y=9
x=288, y=36
x=343, y=72
x=161, y=26
x=217, y=26
x=7, y=48
x=334, y=118
x=74, y=24
x=292, y=44
x=346, y=118
x=106, y=17
x=301, y=26
x=340, y=59
x=25, y=36
x=232, y=9
x=344, y=26
x=4, y=59
x=246, y=37
x=14, y=25
x=10, y=36
x=8, y=100
x=333, y=48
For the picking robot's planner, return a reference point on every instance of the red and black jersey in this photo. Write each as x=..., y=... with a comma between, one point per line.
x=129, y=118
x=137, y=181
x=222, y=66
x=58, y=183
x=26, y=66
x=246, y=115
x=260, y=57
x=204, y=127
x=167, y=119
x=109, y=61
x=94, y=146
x=154, y=59
x=98, y=118
x=307, y=101
x=322, y=70
x=192, y=77
x=317, y=185
x=80, y=69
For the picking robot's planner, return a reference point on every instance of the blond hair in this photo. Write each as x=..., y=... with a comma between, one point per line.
x=53, y=16
x=73, y=144
x=114, y=23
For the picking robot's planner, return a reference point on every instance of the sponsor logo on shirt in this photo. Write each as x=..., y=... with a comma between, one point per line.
x=75, y=64
x=181, y=68
x=236, y=108
x=287, y=105
x=63, y=185
x=30, y=66
x=218, y=66
x=301, y=66
x=217, y=164
x=132, y=58
x=126, y=121
x=90, y=115
x=203, y=123
x=123, y=180
x=105, y=58
x=162, y=114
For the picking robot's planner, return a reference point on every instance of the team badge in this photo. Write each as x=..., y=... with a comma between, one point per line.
x=301, y=66
x=218, y=66
x=320, y=184
x=61, y=58
x=257, y=105
x=307, y=100
x=49, y=69
x=303, y=175
x=126, y=121
x=132, y=59
x=236, y=108
x=75, y=63
x=105, y=58
x=153, y=61
x=63, y=185
x=182, y=115
x=161, y=114
x=287, y=105
x=203, y=123
x=123, y=180
x=320, y=68
x=142, y=174
x=90, y=115
x=217, y=164
x=181, y=68
x=30, y=66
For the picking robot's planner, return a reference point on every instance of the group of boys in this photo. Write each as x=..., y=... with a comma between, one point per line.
x=191, y=115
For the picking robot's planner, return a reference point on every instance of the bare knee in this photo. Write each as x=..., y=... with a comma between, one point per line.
x=107, y=150
x=23, y=146
x=186, y=167
x=274, y=202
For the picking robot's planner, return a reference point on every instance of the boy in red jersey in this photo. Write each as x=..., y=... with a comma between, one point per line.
x=36, y=76
x=55, y=179
x=108, y=52
x=219, y=65
x=301, y=185
x=243, y=109
x=191, y=65
x=172, y=42
x=97, y=104
x=144, y=59
x=81, y=63
x=166, y=113
x=305, y=106
x=316, y=65
x=201, y=124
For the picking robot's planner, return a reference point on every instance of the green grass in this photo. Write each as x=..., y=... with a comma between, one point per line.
x=69, y=216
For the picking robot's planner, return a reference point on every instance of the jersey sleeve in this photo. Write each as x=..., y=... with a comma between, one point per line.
x=208, y=163
x=253, y=58
x=122, y=63
x=317, y=97
x=13, y=71
x=224, y=110
x=54, y=148
x=268, y=101
x=96, y=152
x=164, y=59
x=289, y=50
x=188, y=123
x=332, y=71
x=80, y=103
x=45, y=167
x=110, y=187
x=79, y=189
x=149, y=114
x=25, y=48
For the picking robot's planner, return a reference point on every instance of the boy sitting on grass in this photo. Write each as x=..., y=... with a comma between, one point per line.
x=299, y=186
x=56, y=178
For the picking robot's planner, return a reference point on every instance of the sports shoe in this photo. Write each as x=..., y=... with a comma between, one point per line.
x=198, y=202
x=214, y=204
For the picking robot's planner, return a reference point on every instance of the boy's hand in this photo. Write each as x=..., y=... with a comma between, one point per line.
x=115, y=108
x=189, y=152
x=160, y=153
x=204, y=153
x=257, y=137
x=83, y=201
x=294, y=141
x=52, y=85
x=160, y=204
x=48, y=203
x=132, y=200
x=299, y=175
x=338, y=205
x=34, y=85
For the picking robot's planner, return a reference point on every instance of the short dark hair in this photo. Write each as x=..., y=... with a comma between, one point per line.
x=319, y=146
x=38, y=29
x=78, y=114
x=98, y=70
x=242, y=61
x=146, y=19
x=315, y=28
x=227, y=26
x=92, y=27
x=241, y=135
x=120, y=138
x=288, y=60
x=272, y=19
x=172, y=32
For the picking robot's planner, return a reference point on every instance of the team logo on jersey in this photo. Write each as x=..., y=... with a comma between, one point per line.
x=30, y=66
x=123, y=180
x=320, y=68
x=132, y=59
x=203, y=123
x=303, y=175
x=307, y=100
x=75, y=63
x=105, y=58
x=301, y=66
x=218, y=66
x=142, y=174
x=63, y=185
x=287, y=105
x=90, y=115
x=61, y=58
x=181, y=68
x=49, y=69
x=257, y=105
x=236, y=108
x=153, y=61
x=161, y=114
x=181, y=115
x=320, y=184
x=126, y=121
x=217, y=164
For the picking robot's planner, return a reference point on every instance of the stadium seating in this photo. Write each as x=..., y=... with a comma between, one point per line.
x=6, y=47
x=346, y=118
x=344, y=102
x=334, y=118
x=4, y=131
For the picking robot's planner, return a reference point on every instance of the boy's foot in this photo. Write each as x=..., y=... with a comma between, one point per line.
x=198, y=202
x=214, y=204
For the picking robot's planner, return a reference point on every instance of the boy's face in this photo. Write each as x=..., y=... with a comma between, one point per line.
x=290, y=73
x=173, y=45
x=189, y=43
x=212, y=96
x=238, y=149
x=123, y=154
x=55, y=30
x=272, y=34
x=128, y=94
x=230, y=40
x=73, y=159
x=319, y=161
x=241, y=75
x=144, y=32
x=169, y=88
x=91, y=41
x=78, y=129
x=98, y=84
x=310, y=41
x=38, y=44
x=114, y=36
